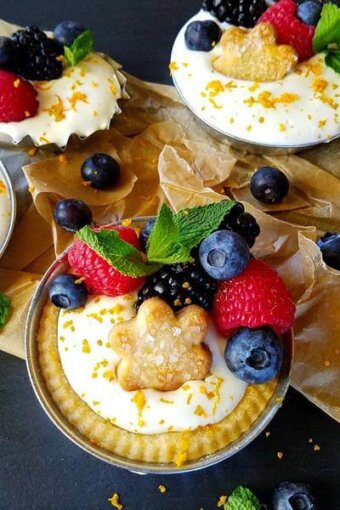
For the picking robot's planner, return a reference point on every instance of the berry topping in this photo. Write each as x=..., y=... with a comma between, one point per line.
x=224, y=255
x=243, y=13
x=7, y=52
x=293, y=496
x=101, y=171
x=258, y=297
x=290, y=30
x=18, y=98
x=66, y=291
x=72, y=214
x=36, y=55
x=67, y=31
x=242, y=223
x=180, y=285
x=145, y=233
x=202, y=35
x=254, y=355
x=329, y=245
x=100, y=276
x=309, y=12
x=269, y=185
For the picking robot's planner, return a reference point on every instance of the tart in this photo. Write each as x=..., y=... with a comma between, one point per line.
x=267, y=78
x=138, y=345
x=55, y=90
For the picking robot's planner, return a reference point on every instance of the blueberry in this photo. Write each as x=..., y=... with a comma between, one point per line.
x=293, y=496
x=66, y=291
x=67, y=31
x=101, y=171
x=202, y=35
x=145, y=233
x=254, y=355
x=72, y=214
x=329, y=245
x=224, y=254
x=269, y=185
x=309, y=12
x=7, y=53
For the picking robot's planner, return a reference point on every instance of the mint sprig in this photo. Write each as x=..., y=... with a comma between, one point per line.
x=5, y=306
x=332, y=59
x=171, y=241
x=328, y=28
x=121, y=255
x=80, y=47
x=242, y=498
x=175, y=235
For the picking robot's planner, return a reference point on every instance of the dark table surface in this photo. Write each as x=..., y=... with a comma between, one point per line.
x=39, y=468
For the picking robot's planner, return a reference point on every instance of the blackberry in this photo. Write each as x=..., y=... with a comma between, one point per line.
x=180, y=285
x=242, y=223
x=242, y=13
x=36, y=55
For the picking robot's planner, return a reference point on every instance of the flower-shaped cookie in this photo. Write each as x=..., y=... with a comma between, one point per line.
x=254, y=54
x=161, y=350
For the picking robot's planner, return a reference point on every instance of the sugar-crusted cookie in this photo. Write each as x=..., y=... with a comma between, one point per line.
x=161, y=350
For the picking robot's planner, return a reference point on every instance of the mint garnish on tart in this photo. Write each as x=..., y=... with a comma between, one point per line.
x=5, y=306
x=79, y=48
x=173, y=237
x=327, y=36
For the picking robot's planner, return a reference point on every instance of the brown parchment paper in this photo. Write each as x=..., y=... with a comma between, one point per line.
x=165, y=154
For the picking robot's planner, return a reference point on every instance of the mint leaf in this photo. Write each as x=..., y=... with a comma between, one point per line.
x=163, y=244
x=80, y=47
x=333, y=60
x=5, y=305
x=121, y=255
x=328, y=29
x=242, y=498
x=175, y=235
x=197, y=223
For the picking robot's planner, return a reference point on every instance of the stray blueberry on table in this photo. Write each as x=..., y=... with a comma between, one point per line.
x=224, y=255
x=101, y=171
x=269, y=185
x=67, y=291
x=309, y=12
x=254, y=355
x=67, y=31
x=293, y=496
x=329, y=245
x=202, y=35
x=72, y=214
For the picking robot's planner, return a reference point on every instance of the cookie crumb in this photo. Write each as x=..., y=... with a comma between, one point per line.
x=316, y=448
x=162, y=489
x=267, y=433
x=114, y=500
x=310, y=440
x=279, y=455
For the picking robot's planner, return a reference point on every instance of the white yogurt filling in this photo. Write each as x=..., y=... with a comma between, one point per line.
x=5, y=211
x=89, y=364
x=302, y=108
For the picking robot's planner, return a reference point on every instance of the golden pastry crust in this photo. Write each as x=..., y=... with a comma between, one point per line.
x=161, y=350
x=254, y=54
x=169, y=447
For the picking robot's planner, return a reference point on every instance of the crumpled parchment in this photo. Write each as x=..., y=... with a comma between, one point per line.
x=165, y=154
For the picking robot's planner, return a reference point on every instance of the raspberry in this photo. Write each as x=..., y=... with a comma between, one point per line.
x=290, y=30
x=18, y=98
x=258, y=297
x=100, y=276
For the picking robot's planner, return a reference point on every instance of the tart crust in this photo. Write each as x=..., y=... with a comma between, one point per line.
x=169, y=447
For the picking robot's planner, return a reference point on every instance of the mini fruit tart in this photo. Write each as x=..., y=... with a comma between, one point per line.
x=164, y=343
x=54, y=85
x=265, y=75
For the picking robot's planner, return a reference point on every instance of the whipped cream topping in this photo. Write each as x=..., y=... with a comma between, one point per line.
x=5, y=212
x=89, y=363
x=300, y=109
x=83, y=100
